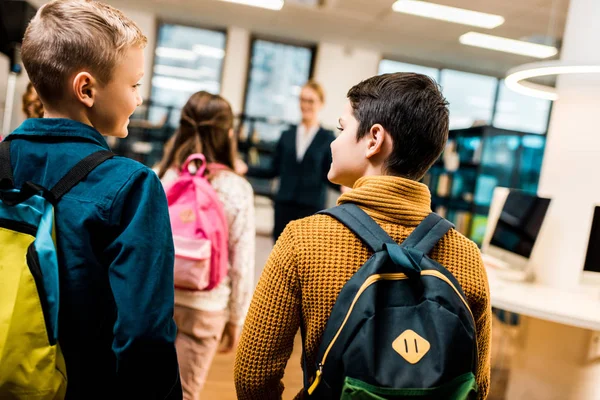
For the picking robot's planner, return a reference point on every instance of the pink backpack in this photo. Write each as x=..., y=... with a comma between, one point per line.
x=200, y=230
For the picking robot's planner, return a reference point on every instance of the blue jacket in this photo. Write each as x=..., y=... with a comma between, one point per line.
x=116, y=254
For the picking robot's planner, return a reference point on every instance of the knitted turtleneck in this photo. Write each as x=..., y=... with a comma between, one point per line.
x=391, y=199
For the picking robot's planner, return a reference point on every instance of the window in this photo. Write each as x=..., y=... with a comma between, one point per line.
x=390, y=66
x=277, y=73
x=521, y=113
x=187, y=60
x=471, y=98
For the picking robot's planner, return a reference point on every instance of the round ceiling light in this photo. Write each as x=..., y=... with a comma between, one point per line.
x=516, y=78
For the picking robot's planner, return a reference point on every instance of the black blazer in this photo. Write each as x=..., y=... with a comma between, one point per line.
x=305, y=182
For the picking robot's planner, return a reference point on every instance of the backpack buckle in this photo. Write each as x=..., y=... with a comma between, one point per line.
x=405, y=257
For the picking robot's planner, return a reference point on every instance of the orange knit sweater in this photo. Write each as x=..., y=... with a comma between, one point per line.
x=311, y=262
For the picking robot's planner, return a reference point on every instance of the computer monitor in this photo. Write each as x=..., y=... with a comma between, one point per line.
x=515, y=221
x=591, y=268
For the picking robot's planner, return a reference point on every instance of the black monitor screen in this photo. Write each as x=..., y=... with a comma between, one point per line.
x=592, y=259
x=520, y=222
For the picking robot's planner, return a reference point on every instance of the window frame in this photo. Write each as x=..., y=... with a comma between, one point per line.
x=289, y=42
x=161, y=22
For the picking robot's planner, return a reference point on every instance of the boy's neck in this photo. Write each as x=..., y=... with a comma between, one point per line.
x=75, y=116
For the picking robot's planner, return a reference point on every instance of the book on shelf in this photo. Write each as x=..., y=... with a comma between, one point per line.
x=444, y=185
x=427, y=179
x=441, y=211
x=463, y=221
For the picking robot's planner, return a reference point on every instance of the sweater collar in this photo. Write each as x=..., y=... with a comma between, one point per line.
x=390, y=199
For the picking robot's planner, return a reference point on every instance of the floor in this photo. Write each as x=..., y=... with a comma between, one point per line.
x=219, y=384
x=220, y=379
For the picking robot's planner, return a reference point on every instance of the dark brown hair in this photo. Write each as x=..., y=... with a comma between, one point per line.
x=412, y=109
x=32, y=104
x=206, y=120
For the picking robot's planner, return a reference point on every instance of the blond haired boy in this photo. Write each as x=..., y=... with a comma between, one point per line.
x=116, y=330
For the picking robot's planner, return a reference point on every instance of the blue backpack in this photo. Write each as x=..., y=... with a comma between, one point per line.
x=401, y=327
x=32, y=365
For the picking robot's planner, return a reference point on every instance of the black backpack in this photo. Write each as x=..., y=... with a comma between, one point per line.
x=401, y=327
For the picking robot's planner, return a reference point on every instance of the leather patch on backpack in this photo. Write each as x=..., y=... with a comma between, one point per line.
x=411, y=346
x=187, y=216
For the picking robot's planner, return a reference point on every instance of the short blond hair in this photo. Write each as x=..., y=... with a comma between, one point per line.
x=67, y=36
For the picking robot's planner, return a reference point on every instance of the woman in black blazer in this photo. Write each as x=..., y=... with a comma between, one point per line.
x=301, y=161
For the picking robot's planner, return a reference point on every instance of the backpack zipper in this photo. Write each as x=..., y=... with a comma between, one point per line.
x=368, y=282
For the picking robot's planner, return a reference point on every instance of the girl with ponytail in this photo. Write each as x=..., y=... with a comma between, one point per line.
x=206, y=319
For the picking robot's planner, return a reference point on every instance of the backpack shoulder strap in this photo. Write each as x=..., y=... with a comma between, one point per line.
x=428, y=233
x=359, y=222
x=6, y=173
x=78, y=173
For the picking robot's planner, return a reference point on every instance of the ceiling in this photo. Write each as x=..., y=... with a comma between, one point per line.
x=372, y=24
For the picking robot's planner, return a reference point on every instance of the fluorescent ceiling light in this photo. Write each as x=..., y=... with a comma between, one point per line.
x=208, y=51
x=178, y=54
x=508, y=45
x=447, y=13
x=268, y=4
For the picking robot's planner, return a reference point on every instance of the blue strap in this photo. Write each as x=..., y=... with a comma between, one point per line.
x=428, y=233
x=407, y=258
x=363, y=226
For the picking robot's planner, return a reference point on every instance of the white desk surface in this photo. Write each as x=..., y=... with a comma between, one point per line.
x=579, y=307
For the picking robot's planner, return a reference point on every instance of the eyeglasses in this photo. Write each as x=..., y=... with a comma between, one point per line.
x=307, y=101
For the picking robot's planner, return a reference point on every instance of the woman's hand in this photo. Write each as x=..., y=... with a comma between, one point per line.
x=230, y=339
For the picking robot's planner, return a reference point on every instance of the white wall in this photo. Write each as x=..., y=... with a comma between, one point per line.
x=235, y=67
x=17, y=114
x=571, y=158
x=338, y=68
x=4, y=65
x=147, y=23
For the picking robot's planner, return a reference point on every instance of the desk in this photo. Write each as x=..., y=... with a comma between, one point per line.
x=553, y=360
x=577, y=308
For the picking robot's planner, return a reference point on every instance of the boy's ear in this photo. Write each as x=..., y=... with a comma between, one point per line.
x=375, y=140
x=84, y=88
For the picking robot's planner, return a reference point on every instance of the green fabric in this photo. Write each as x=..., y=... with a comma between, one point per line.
x=462, y=388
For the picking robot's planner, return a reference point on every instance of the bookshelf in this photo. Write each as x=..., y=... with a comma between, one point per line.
x=477, y=160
